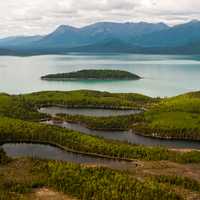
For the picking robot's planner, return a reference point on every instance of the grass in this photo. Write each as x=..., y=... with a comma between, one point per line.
x=176, y=118
x=184, y=182
x=171, y=125
x=87, y=98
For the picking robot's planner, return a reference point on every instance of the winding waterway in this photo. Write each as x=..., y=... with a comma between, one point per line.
x=125, y=136
x=41, y=151
x=129, y=136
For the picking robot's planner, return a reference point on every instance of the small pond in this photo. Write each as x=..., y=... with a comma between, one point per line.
x=86, y=111
x=41, y=151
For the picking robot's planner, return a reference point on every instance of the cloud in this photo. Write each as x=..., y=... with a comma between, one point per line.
x=23, y=17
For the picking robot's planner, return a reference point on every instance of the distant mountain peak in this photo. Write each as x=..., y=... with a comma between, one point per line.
x=111, y=36
x=64, y=28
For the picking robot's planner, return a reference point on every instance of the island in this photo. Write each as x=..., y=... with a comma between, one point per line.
x=93, y=74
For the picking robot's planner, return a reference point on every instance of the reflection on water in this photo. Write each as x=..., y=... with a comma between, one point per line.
x=16, y=150
x=86, y=111
x=129, y=136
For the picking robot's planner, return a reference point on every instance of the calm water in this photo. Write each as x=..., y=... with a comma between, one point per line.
x=87, y=111
x=129, y=136
x=53, y=153
x=163, y=75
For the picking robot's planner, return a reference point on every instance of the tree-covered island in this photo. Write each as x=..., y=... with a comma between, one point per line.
x=93, y=74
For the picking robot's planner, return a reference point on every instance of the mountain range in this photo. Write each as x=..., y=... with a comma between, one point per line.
x=110, y=37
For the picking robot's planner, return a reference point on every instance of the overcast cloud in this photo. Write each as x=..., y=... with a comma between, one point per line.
x=29, y=17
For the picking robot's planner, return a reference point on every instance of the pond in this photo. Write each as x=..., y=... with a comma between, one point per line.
x=41, y=151
x=53, y=110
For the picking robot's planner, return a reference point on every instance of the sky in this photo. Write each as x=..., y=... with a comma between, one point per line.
x=30, y=17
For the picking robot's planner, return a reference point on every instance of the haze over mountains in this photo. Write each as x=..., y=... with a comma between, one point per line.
x=110, y=37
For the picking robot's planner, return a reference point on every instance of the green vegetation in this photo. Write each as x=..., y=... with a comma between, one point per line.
x=175, y=125
x=115, y=123
x=87, y=98
x=79, y=181
x=18, y=107
x=176, y=118
x=184, y=182
x=87, y=183
x=92, y=74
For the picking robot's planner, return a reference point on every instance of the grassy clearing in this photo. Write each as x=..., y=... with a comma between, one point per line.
x=171, y=125
x=176, y=118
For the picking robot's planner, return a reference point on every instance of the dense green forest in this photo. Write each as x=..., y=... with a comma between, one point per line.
x=93, y=74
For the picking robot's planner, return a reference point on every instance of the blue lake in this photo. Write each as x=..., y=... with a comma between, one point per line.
x=163, y=75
